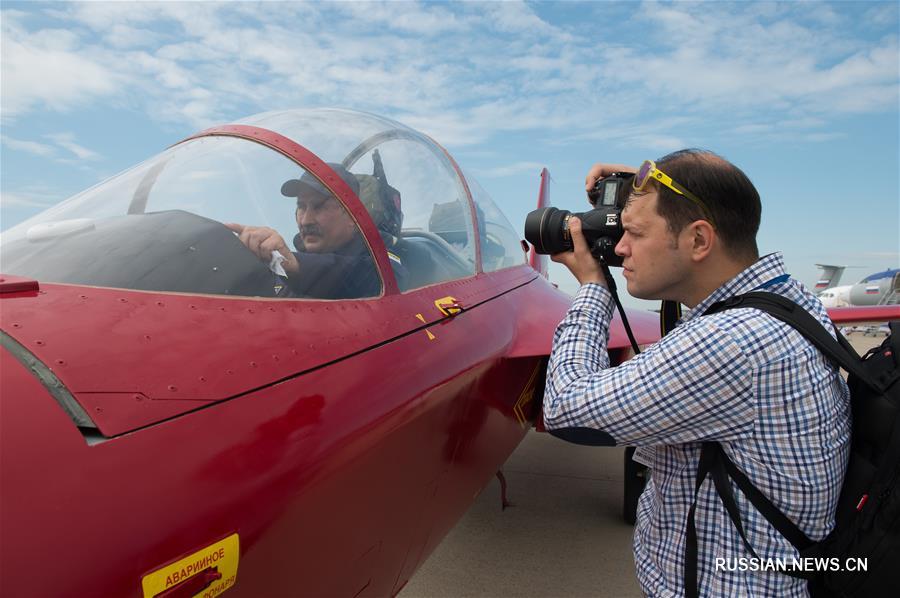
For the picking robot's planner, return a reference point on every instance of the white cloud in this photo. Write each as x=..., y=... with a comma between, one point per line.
x=883, y=14
x=31, y=147
x=462, y=72
x=106, y=15
x=61, y=141
x=125, y=36
x=716, y=57
x=26, y=200
x=659, y=143
x=47, y=69
x=67, y=142
x=410, y=17
x=518, y=17
x=451, y=129
x=512, y=169
x=648, y=131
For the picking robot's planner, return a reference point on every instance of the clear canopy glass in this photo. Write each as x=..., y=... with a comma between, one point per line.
x=216, y=215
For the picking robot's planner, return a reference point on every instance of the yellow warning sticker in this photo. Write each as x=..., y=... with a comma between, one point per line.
x=209, y=571
x=448, y=306
x=526, y=398
x=431, y=337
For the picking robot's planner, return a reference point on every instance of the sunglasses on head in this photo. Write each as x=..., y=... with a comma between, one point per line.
x=648, y=171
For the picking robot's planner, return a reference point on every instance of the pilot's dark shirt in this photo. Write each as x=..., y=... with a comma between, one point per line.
x=349, y=273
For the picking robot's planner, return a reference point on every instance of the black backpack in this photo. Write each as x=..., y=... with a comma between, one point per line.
x=867, y=520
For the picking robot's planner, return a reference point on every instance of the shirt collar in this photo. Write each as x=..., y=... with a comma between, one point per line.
x=762, y=271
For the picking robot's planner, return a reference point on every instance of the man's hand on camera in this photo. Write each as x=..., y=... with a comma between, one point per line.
x=599, y=171
x=580, y=262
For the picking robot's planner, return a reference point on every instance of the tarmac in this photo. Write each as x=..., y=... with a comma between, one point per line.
x=563, y=536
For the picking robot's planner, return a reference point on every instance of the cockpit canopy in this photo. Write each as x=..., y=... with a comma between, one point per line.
x=160, y=225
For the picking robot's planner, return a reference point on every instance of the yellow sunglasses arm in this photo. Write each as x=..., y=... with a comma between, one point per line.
x=666, y=180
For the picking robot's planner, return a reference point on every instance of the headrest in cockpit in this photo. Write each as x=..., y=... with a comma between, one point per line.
x=383, y=203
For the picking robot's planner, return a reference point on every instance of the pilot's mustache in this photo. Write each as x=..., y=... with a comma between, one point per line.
x=311, y=229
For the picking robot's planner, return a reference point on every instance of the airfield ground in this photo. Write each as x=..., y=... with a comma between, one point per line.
x=564, y=537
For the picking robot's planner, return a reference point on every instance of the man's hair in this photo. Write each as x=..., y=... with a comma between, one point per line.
x=727, y=192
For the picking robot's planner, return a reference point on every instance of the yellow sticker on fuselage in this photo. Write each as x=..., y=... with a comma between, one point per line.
x=221, y=557
x=526, y=398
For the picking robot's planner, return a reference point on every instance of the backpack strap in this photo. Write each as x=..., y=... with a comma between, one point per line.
x=715, y=462
x=709, y=464
x=838, y=351
x=773, y=514
x=669, y=314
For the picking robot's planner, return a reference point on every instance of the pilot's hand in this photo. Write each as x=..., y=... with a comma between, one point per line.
x=262, y=241
x=599, y=171
x=580, y=262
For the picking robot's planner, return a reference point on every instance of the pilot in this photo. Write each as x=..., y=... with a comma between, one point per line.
x=331, y=259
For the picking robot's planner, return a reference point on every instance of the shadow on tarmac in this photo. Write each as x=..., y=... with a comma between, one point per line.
x=564, y=536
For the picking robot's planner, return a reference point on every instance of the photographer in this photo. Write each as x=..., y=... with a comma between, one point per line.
x=778, y=407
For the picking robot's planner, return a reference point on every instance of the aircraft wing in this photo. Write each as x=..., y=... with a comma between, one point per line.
x=876, y=313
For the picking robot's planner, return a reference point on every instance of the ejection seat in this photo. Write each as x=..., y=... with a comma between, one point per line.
x=426, y=256
x=428, y=259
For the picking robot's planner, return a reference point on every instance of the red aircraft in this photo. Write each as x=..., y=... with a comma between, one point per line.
x=182, y=418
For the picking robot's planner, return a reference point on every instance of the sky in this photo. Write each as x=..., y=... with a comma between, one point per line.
x=802, y=96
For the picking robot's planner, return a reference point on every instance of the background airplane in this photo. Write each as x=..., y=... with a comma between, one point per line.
x=175, y=423
x=880, y=288
x=830, y=277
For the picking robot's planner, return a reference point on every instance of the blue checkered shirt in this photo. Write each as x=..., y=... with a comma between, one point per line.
x=780, y=410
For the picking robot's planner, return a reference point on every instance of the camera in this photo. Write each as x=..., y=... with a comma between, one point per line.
x=548, y=228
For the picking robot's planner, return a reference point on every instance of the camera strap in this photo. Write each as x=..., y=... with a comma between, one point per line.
x=611, y=285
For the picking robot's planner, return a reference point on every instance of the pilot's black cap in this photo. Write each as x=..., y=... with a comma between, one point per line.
x=294, y=187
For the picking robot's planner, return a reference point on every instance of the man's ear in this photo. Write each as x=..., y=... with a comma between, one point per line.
x=702, y=238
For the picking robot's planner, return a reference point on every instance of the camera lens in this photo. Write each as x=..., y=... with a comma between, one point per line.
x=546, y=229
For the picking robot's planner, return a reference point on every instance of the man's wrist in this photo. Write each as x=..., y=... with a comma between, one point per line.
x=594, y=298
x=598, y=279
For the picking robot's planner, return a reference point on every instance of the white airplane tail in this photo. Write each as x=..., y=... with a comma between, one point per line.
x=830, y=277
